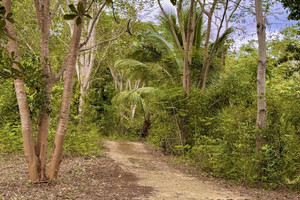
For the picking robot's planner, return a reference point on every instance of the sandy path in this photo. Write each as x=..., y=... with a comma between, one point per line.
x=168, y=183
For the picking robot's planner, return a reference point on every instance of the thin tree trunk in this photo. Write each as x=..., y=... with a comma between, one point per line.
x=187, y=39
x=204, y=72
x=146, y=125
x=186, y=73
x=43, y=14
x=205, y=63
x=28, y=141
x=115, y=77
x=81, y=99
x=66, y=100
x=209, y=55
x=261, y=121
x=87, y=64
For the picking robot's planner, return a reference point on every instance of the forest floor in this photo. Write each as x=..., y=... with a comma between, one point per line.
x=127, y=171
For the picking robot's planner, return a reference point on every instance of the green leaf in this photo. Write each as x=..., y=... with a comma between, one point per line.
x=7, y=71
x=2, y=23
x=109, y=2
x=70, y=16
x=89, y=16
x=9, y=15
x=11, y=20
x=73, y=9
x=12, y=54
x=31, y=90
x=174, y=2
x=2, y=12
x=80, y=7
x=78, y=21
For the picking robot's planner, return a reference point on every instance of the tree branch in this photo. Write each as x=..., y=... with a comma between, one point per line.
x=55, y=8
x=203, y=8
x=60, y=73
x=93, y=25
x=235, y=8
x=181, y=25
x=219, y=30
x=102, y=42
x=172, y=26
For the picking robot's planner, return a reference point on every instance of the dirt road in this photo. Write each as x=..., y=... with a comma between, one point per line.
x=128, y=171
x=168, y=183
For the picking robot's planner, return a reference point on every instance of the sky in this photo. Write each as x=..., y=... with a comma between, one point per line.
x=277, y=20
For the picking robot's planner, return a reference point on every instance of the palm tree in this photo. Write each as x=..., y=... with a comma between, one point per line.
x=131, y=77
x=164, y=43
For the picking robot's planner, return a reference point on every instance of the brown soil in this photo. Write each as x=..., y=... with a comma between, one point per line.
x=80, y=178
x=173, y=183
x=128, y=171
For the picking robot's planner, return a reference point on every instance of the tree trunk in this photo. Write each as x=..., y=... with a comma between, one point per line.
x=28, y=141
x=187, y=39
x=66, y=100
x=43, y=14
x=206, y=62
x=146, y=126
x=261, y=120
x=81, y=100
x=87, y=58
x=186, y=73
x=205, y=67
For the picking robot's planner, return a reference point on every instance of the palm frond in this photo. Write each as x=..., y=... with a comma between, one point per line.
x=168, y=47
x=199, y=34
x=221, y=40
x=137, y=97
x=135, y=70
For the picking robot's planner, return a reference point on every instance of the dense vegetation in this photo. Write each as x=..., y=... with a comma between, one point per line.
x=135, y=91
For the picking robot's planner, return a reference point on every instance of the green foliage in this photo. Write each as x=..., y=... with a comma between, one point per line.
x=294, y=7
x=76, y=13
x=10, y=128
x=216, y=129
x=11, y=138
x=83, y=140
x=3, y=18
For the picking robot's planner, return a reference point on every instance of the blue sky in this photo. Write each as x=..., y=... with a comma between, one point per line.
x=277, y=20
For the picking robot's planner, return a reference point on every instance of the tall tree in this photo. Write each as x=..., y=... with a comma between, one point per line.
x=187, y=30
x=209, y=52
x=261, y=120
x=27, y=132
x=36, y=153
x=44, y=20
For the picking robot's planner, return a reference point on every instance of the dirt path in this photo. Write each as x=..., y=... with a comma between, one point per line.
x=168, y=183
x=128, y=171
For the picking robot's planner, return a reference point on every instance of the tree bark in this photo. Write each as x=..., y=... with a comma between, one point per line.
x=28, y=141
x=44, y=19
x=187, y=39
x=146, y=126
x=86, y=68
x=205, y=64
x=261, y=120
x=87, y=57
x=66, y=100
x=208, y=56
